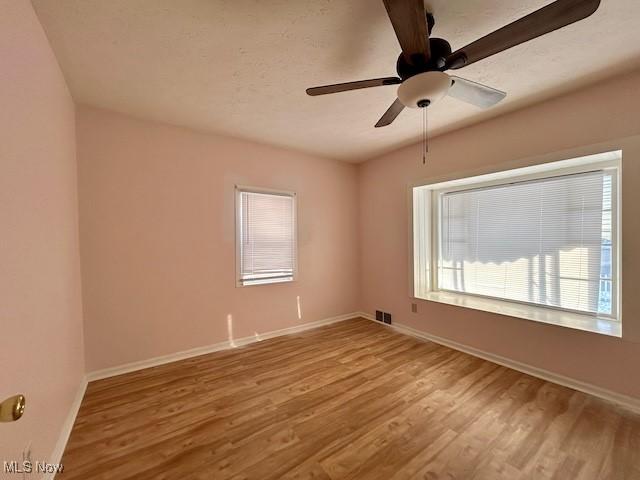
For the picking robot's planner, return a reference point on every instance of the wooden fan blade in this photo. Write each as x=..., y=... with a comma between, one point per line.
x=390, y=115
x=547, y=19
x=409, y=21
x=343, y=87
x=474, y=93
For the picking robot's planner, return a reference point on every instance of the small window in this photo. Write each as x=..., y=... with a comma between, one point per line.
x=544, y=236
x=266, y=236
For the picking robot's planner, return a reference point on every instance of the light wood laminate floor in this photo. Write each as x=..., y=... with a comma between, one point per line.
x=353, y=400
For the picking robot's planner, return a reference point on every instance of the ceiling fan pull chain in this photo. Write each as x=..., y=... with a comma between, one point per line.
x=424, y=156
x=426, y=130
x=425, y=135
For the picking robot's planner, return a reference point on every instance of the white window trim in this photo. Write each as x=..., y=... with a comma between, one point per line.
x=424, y=201
x=244, y=188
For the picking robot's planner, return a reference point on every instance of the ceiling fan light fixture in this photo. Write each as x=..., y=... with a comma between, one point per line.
x=431, y=86
x=423, y=60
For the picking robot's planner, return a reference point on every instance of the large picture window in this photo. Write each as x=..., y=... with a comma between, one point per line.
x=540, y=236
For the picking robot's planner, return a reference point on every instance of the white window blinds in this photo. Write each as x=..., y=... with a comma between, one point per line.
x=541, y=241
x=266, y=236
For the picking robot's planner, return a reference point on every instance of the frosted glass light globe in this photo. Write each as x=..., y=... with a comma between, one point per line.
x=430, y=86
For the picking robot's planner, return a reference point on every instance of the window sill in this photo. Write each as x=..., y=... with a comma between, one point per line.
x=603, y=326
x=264, y=281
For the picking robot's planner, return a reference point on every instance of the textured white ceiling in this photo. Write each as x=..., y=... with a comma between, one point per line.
x=240, y=67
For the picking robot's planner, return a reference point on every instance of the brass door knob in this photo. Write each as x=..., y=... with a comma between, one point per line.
x=12, y=408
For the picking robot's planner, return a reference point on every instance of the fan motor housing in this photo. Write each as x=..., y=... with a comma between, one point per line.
x=431, y=86
x=439, y=49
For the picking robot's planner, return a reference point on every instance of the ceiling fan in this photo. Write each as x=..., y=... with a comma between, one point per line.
x=423, y=60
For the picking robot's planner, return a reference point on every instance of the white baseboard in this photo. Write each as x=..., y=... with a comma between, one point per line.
x=618, y=398
x=216, y=347
x=67, y=426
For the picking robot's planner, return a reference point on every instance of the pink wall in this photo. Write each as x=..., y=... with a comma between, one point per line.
x=157, y=238
x=41, y=353
x=604, y=113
